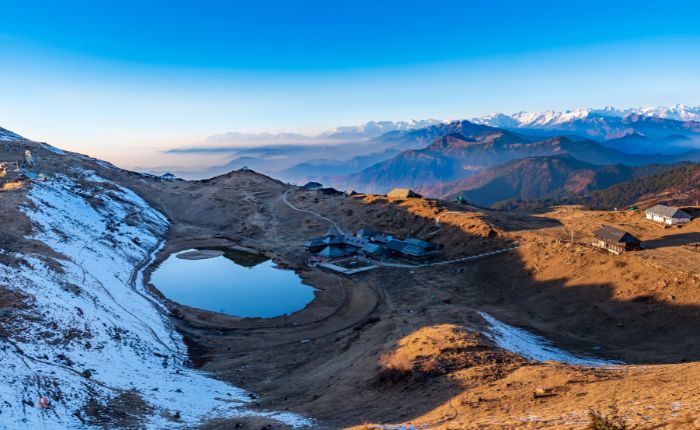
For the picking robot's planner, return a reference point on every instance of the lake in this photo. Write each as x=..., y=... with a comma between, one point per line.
x=235, y=283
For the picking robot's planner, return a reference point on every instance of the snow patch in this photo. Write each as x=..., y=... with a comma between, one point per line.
x=53, y=149
x=8, y=136
x=534, y=347
x=91, y=331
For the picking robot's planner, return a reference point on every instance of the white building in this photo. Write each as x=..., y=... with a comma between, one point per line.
x=667, y=215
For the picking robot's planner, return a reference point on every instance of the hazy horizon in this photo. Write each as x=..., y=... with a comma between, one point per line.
x=126, y=82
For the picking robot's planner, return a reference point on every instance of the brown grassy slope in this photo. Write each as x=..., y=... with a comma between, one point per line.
x=640, y=307
x=583, y=300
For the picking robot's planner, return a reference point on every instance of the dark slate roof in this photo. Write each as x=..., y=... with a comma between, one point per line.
x=333, y=231
x=373, y=248
x=313, y=185
x=330, y=191
x=419, y=243
x=333, y=240
x=667, y=211
x=314, y=242
x=382, y=238
x=396, y=245
x=367, y=232
x=332, y=251
x=615, y=235
x=407, y=248
x=353, y=241
x=413, y=250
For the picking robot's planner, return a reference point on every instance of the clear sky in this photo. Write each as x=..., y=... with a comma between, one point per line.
x=123, y=79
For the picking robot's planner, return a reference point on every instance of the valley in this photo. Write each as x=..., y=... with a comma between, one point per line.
x=529, y=338
x=407, y=345
x=366, y=215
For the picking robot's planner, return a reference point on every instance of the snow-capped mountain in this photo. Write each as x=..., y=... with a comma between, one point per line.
x=552, y=119
x=8, y=136
x=531, y=119
x=678, y=112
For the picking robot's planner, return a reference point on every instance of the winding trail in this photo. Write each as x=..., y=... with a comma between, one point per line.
x=316, y=214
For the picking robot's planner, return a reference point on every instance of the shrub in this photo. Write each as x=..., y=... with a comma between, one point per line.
x=601, y=421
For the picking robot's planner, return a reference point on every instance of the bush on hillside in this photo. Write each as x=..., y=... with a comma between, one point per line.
x=610, y=421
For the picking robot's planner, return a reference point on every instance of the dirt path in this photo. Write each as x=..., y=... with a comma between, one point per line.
x=316, y=214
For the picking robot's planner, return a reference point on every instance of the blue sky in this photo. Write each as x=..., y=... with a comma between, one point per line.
x=124, y=79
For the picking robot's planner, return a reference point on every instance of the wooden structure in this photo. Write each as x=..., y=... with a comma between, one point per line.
x=370, y=243
x=667, y=215
x=614, y=240
x=402, y=193
x=413, y=249
x=334, y=245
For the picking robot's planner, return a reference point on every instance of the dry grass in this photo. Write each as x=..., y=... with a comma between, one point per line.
x=442, y=350
x=11, y=186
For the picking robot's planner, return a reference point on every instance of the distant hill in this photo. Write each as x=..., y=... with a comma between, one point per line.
x=635, y=143
x=533, y=178
x=442, y=161
x=456, y=156
x=678, y=185
x=670, y=131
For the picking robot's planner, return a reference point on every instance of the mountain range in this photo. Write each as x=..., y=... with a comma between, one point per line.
x=462, y=149
x=487, y=160
x=349, y=150
x=552, y=119
x=534, y=178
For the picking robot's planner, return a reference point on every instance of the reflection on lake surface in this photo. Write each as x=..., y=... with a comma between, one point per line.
x=236, y=283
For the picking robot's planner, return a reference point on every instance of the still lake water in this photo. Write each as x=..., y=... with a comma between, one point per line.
x=254, y=288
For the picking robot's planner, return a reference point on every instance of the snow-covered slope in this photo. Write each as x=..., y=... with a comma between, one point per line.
x=550, y=119
x=89, y=337
x=678, y=112
x=8, y=136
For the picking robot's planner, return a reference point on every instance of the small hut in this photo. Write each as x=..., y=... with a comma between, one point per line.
x=667, y=215
x=614, y=240
x=402, y=193
x=313, y=185
x=329, y=191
